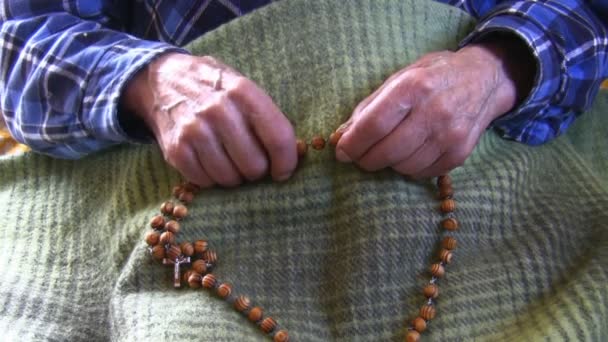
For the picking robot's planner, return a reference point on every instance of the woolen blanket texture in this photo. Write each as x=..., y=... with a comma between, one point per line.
x=334, y=254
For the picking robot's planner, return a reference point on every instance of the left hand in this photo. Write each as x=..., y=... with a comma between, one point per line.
x=427, y=118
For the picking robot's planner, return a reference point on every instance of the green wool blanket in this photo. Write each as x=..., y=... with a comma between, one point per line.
x=334, y=254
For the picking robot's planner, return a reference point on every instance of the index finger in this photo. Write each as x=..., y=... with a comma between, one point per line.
x=389, y=106
x=271, y=127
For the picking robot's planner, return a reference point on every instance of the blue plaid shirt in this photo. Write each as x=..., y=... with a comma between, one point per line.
x=64, y=64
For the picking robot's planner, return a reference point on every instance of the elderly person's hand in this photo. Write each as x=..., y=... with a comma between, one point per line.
x=426, y=119
x=212, y=124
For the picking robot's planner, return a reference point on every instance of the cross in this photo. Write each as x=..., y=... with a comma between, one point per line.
x=176, y=264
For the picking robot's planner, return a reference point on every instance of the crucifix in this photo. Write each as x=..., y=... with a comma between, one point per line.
x=177, y=262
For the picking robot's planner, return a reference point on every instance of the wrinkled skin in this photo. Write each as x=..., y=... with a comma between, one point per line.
x=423, y=121
x=212, y=131
x=427, y=118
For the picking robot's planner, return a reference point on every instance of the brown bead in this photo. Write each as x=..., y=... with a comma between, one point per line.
x=158, y=252
x=419, y=324
x=167, y=237
x=186, y=275
x=302, y=147
x=224, y=290
x=174, y=252
x=187, y=248
x=445, y=255
x=242, y=303
x=431, y=291
x=448, y=205
x=446, y=192
x=268, y=325
x=444, y=180
x=427, y=312
x=450, y=224
x=255, y=314
x=281, y=336
x=335, y=137
x=191, y=187
x=186, y=197
x=317, y=142
x=177, y=190
x=200, y=246
x=172, y=226
x=195, y=280
x=199, y=266
x=167, y=208
x=449, y=243
x=180, y=211
x=210, y=256
x=412, y=336
x=437, y=270
x=209, y=281
x=157, y=222
x=152, y=238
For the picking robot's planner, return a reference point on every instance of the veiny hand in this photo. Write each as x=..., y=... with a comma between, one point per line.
x=212, y=124
x=427, y=118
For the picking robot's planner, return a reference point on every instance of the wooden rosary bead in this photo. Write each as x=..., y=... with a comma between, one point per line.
x=186, y=197
x=152, y=238
x=180, y=211
x=209, y=281
x=200, y=246
x=335, y=137
x=172, y=226
x=177, y=190
x=419, y=324
x=450, y=224
x=268, y=325
x=191, y=187
x=431, y=291
x=255, y=314
x=427, y=312
x=187, y=248
x=210, y=256
x=448, y=205
x=173, y=252
x=224, y=290
x=281, y=336
x=158, y=252
x=167, y=208
x=186, y=276
x=437, y=270
x=317, y=142
x=444, y=180
x=242, y=303
x=445, y=255
x=199, y=266
x=195, y=280
x=157, y=222
x=412, y=336
x=167, y=237
x=449, y=243
x=302, y=147
x=446, y=192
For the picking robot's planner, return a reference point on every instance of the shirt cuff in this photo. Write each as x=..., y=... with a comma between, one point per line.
x=101, y=102
x=519, y=124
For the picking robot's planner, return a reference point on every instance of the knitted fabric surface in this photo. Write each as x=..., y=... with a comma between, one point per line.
x=334, y=254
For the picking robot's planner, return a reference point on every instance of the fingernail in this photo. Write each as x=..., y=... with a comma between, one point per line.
x=341, y=156
x=283, y=177
x=343, y=127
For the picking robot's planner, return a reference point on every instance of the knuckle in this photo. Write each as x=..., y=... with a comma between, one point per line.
x=423, y=82
x=238, y=86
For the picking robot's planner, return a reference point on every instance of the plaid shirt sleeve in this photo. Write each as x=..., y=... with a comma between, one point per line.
x=569, y=41
x=64, y=64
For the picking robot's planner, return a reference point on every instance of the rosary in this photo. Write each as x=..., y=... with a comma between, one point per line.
x=202, y=259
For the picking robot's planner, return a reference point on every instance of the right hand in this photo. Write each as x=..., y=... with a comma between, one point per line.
x=212, y=124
